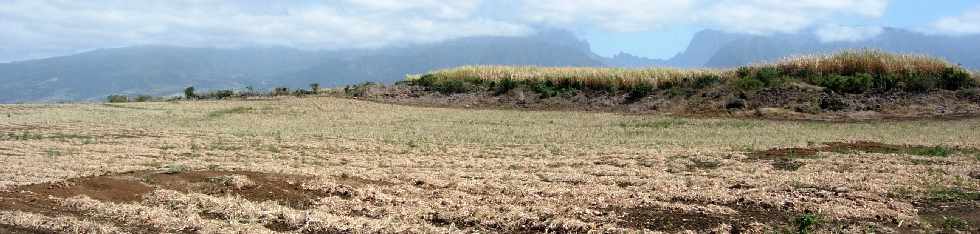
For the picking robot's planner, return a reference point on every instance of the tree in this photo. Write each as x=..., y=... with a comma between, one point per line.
x=189, y=93
x=315, y=87
x=117, y=98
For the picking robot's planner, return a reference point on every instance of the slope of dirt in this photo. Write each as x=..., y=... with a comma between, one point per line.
x=788, y=103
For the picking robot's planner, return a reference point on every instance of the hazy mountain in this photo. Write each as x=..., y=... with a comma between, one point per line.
x=165, y=70
x=623, y=59
x=702, y=48
x=749, y=49
x=154, y=70
x=711, y=48
x=551, y=48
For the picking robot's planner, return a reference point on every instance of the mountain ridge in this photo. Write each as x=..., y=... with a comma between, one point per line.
x=165, y=70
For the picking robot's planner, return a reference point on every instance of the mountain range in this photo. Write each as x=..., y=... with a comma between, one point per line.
x=165, y=70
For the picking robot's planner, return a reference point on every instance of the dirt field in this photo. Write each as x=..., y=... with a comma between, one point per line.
x=328, y=165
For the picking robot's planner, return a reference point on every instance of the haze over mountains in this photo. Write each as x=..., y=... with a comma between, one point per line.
x=165, y=70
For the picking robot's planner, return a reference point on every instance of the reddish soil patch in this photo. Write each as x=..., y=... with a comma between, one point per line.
x=120, y=189
x=45, y=198
x=667, y=220
x=285, y=189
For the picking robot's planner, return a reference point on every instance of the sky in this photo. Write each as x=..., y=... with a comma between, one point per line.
x=31, y=29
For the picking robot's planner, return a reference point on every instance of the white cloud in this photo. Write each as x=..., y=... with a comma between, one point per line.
x=340, y=24
x=615, y=15
x=967, y=23
x=839, y=33
x=41, y=27
x=748, y=16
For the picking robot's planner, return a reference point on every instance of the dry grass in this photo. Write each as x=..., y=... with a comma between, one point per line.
x=387, y=168
x=864, y=61
x=884, y=66
x=586, y=76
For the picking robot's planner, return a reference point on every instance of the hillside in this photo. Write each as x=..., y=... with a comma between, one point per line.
x=849, y=85
x=165, y=70
x=718, y=49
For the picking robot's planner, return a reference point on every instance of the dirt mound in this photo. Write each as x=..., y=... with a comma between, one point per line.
x=792, y=102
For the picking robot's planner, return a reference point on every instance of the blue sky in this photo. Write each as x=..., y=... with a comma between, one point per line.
x=653, y=28
x=919, y=15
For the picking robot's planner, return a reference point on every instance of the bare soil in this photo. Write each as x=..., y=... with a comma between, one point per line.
x=130, y=188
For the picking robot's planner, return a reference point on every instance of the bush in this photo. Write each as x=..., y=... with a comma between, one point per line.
x=315, y=88
x=859, y=83
x=806, y=222
x=749, y=83
x=361, y=90
x=911, y=83
x=189, y=93
x=639, y=91
x=768, y=75
x=955, y=79
x=706, y=81
x=117, y=98
x=144, y=98
x=280, y=91
x=504, y=86
x=222, y=94
x=451, y=86
x=883, y=83
x=545, y=89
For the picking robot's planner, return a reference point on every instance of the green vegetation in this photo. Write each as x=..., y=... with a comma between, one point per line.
x=806, y=222
x=953, y=194
x=189, y=93
x=853, y=72
x=175, y=168
x=955, y=224
x=236, y=110
x=117, y=98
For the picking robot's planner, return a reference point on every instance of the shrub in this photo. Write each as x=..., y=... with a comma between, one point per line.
x=911, y=83
x=504, y=86
x=361, y=90
x=706, y=81
x=884, y=82
x=545, y=89
x=639, y=91
x=749, y=83
x=315, y=88
x=189, y=93
x=222, y=94
x=768, y=75
x=117, y=98
x=955, y=79
x=451, y=86
x=859, y=83
x=144, y=98
x=806, y=222
x=280, y=91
